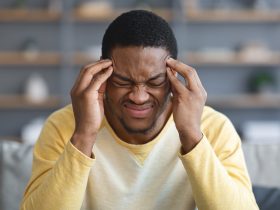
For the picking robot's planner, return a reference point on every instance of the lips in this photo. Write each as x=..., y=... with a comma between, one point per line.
x=138, y=111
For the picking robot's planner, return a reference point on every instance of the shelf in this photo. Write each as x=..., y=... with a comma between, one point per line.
x=19, y=58
x=81, y=58
x=233, y=16
x=245, y=101
x=24, y=15
x=20, y=102
x=94, y=17
x=233, y=59
x=11, y=138
x=106, y=16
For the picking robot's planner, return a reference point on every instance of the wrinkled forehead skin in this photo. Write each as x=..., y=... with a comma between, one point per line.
x=139, y=63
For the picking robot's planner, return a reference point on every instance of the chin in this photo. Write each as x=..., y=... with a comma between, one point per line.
x=137, y=126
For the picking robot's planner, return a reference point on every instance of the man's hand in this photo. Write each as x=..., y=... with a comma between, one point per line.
x=188, y=102
x=87, y=100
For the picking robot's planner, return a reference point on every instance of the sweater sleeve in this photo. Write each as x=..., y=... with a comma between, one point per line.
x=217, y=171
x=59, y=171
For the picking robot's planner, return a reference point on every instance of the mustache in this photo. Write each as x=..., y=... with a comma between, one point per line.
x=131, y=103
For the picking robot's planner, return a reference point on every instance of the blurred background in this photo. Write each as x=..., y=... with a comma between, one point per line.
x=233, y=44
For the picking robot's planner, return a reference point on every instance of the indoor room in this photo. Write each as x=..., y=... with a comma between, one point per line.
x=230, y=48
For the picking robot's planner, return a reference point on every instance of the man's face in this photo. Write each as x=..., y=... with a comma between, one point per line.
x=138, y=91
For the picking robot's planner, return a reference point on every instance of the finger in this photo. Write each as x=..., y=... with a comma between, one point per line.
x=199, y=83
x=186, y=84
x=202, y=89
x=100, y=79
x=175, y=82
x=90, y=66
x=186, y=71
x=90, y=73
x=84, y=69
x=97, y=67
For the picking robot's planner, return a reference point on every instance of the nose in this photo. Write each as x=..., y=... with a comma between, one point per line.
x=139, y=94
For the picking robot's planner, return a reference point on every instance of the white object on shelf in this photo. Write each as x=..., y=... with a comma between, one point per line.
x=31, y=131
x=217, y=54
x=255, y=52
x=261, y=132
x=36, y=89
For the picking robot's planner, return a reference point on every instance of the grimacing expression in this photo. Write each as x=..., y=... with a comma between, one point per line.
x=138, y=90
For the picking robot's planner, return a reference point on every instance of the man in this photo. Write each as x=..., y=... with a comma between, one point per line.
x=135, y=137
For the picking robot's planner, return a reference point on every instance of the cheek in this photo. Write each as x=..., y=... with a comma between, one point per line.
x=114, y=95
x=161, y=97
x=164, y=93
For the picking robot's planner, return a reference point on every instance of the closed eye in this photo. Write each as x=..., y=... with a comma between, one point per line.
x=121, y=84
x=157, y=82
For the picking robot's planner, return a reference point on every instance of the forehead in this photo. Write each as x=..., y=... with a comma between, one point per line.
x=139, y=62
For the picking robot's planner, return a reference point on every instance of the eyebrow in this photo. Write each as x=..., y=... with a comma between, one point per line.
x=121, y=77
x=157, y=76
x=129, y=80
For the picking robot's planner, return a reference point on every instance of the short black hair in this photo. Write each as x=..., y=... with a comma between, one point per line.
x=139, y=28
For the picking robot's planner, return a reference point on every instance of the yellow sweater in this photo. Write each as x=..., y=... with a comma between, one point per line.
x=153, y=176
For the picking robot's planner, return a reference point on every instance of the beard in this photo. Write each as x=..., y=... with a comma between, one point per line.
x=131, y=130
x=150, y=127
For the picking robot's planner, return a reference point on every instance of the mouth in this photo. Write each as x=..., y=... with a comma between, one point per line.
x=138, y=111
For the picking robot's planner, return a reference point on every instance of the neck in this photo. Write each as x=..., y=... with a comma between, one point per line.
x=139, y=138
